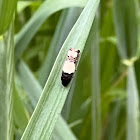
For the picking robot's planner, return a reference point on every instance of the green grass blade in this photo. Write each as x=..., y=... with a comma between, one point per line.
x=23, y=95
x=86, y=132
x=139, y=37
x=132, y=106
x=108, y=67
x=67, y=20
x=30, y=84
x=7, y=8
x=54, y=94
x=126, y=25
x=114, y=121
x=19, y=112
x=59, y=128
x=96, y=107
x=67, y=106
x=6, y=83
x=46, y=9
x=32, y=87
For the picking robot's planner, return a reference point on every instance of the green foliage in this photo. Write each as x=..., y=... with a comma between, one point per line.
x=52, y=100
x=7, y=8
x=31, y=85
x=29, y=30
x=126, y=22
x=102, y=100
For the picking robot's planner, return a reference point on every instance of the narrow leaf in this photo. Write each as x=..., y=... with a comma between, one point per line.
x=30, y=84
x=60, y=127
x=108, y=67
x=132, y=106
x=114, y=121
x=6, y=83
x=20, y=115
x=96, y=107
x=54, y=94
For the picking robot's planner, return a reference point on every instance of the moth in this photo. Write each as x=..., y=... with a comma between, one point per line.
x=69, y=66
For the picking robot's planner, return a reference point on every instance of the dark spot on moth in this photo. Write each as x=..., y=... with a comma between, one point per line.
x=66, y=78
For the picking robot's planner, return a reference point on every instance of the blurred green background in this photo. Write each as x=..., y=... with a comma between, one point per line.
x=103, y=99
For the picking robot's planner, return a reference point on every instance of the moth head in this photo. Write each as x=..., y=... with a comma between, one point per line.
x=78, y=51
x=73, y=55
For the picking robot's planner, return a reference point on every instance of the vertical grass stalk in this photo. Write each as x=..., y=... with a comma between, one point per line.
x=6, y=83
x=132, y=106
x=96, y=108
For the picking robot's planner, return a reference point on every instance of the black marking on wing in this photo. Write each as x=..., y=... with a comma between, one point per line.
x=66, y=78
